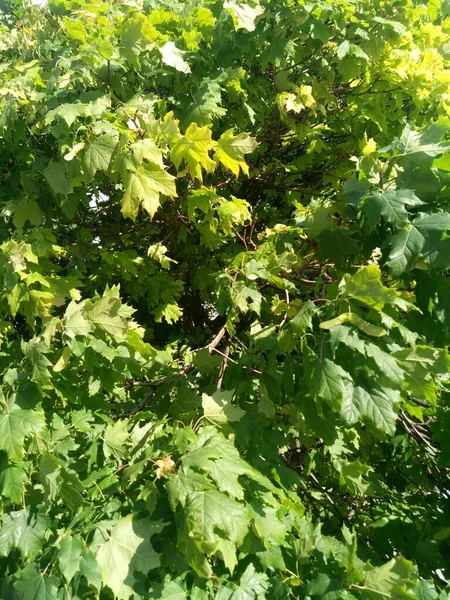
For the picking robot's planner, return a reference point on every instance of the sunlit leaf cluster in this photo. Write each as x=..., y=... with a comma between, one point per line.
x=225, y=302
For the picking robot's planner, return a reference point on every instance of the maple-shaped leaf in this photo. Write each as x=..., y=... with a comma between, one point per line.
x=404, y=248
x=420, y=147
x=419, y=363
x=218, y=408
x=143, y=185
x=434, y=229
x=69, y=556
x=389, y=204
x=173, y=56
x=347, y=49
x=425, y=237
x=35, y=352
x=12, y=480
x=171, y=312
x=105, y=314
x=252, y=585
x=98, y=154
x=302, y=321
x=137, y=34
x=15, y=425
x=147, y=150
x=114, y=439
x=244, y=14
x=185, y=482
x=353, y=475
x=367, y=287
x=394, y=579
x=90, y=569
x=246, y=298
x=23, y=530
x=27, y=210
x=192, y=148
x=126, y=550
x=231, y=150
x=206, y=104
x=212, y=516
x=56, y=175
x=218, y=457
x=75, y=323
x=170, y=590
x=34, y=585
x=266, y=523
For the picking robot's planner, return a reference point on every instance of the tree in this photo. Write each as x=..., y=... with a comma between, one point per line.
x=224, y=247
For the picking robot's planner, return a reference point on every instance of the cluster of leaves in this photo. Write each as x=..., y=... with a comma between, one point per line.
x=224, y=309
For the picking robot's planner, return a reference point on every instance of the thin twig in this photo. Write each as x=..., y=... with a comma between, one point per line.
x=223, y=366
x=217, y=339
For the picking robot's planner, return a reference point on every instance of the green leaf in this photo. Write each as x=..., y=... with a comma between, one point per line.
x=337, y=244
x=252, y=585
x=33, y=585
x=137, y=35
x=90, y=569
x=114, y=439
x=328, y=383
x=56, y=176
x=231, y=150
x=346, y=48
x=302, y=321
x=212, y=516
x=244, y=14
x=267, y=524
x=425, y=590
x=147, y=150
x=23, y=530
x=433, y=228
x=218, y=408
x=143, y=186
x=12, y=481
x=206, y=104
x=375, y=406
x=126, y=550
x=74, y=321
x=181, y=485
x=366, y=286
x=104, y=314
x=192, y=148
x=389, y=204
x=387, y=365
x=394, y=579
x=352, y=476
x=417, y=145
x=405, y=246
x=218, y=458
x=98, y=154
x=173, y=57
x=69, y=556
x=170, y=590
x=15, y=426
x=50, y=472
x=27, y=210
x=246, y=298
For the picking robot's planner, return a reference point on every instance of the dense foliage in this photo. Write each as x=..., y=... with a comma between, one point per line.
x=224, y=305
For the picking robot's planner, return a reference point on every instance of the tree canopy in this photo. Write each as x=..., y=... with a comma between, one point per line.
x=225, y=302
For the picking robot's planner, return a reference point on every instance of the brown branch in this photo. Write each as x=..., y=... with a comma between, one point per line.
x=216, y=340
x=414, y=430
x=223, y=366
